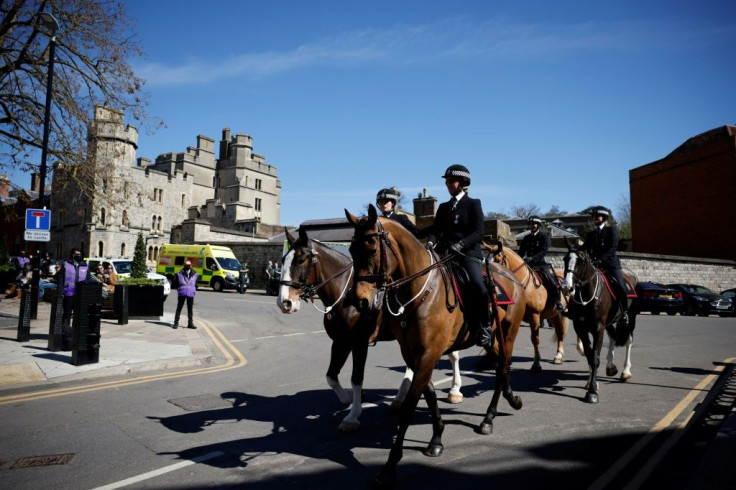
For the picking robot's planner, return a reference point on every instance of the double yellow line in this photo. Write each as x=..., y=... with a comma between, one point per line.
x=233, y=359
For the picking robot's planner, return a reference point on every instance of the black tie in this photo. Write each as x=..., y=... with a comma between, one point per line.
x=454, y=202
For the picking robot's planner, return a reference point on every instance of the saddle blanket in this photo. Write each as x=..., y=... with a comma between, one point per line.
x=630, y=291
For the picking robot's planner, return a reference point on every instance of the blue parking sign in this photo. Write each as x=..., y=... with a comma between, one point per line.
x=38, y=219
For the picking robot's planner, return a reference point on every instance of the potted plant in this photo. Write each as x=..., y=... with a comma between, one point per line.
x=138, y=296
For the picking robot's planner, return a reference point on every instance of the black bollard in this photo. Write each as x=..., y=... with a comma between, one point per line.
x=120, y=303
x=87, y=304
x=56, y=324
x=24, y=316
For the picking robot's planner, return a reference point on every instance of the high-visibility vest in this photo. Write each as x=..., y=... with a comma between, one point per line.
x=72, y=275
x=187, y=286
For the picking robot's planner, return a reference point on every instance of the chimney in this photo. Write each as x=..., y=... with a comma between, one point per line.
x=225, y=144
x=4, y=186
x=36, y=182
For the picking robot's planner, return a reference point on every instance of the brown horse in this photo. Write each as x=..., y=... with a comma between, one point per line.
x=538, y=304
x=392, y=268
x=312, y=269
x=590, y=308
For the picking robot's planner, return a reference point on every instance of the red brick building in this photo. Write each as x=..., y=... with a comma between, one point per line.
x=685, y=203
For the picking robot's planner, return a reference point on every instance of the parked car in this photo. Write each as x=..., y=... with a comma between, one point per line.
x=699, y=300
x=655, y=298
x=122, y=267
x=731, y=294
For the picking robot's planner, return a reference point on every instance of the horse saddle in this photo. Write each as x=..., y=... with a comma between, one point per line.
x=630, y=291
x=460, y=281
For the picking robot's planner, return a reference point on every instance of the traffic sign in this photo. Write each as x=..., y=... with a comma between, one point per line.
x=38, y=219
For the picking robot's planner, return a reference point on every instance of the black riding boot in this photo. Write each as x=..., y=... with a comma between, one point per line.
x=623, y=321
x=483, y=336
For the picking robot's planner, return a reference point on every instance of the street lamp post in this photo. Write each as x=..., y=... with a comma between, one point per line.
x=50, y=22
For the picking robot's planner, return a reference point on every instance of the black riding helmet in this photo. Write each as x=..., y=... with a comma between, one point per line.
x=387, y=194
x=534, y=219
x=459, y=172
x=600, y=211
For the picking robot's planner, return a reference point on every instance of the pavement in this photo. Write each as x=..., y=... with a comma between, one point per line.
x=143, y=345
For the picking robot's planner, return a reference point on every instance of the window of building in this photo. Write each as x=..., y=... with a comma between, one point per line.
x=258, y=184
x=102, y=216
x=183, y=200
x=122, y=250
x=158, y=224
x=125, y=218
x=153, y=223
x=258, y=204
x=155, y=253
x=150, y=253
x=179, y=260
x=104, y=186
x=100, y=249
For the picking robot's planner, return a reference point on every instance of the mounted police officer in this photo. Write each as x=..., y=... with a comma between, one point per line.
x=533, y=249
x=185, y=282
x=386, y=201
x=601, y=244
x=458, y=229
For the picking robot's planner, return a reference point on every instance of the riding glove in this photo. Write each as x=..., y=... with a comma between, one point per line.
x=457, y=247
x=429, y=246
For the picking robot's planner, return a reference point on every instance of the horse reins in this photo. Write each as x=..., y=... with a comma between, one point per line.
x=309, y=291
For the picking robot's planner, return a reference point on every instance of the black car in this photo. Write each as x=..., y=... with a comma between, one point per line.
x=699, y=300
x=655, y=298
x=731, y=294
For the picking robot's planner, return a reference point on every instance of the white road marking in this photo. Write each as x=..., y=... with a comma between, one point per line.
x=161, y=471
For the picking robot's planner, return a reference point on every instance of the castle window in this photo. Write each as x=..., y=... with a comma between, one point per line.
x=159, y=224
x=183, y=200
x=153, y=223
x=155, y=253
x=122, y=249
x=104, y=186
x=100, y=249
x=102, y=216
x=258, y=204
x=125, y=218
x=258, y=184
x=150, y=253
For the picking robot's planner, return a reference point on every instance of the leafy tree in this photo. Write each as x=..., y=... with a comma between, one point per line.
x=138, y=269
x=624, y=213
x=93, y=44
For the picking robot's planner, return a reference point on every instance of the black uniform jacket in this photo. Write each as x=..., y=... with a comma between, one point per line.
x=602, y=245
x=534, y=247
x=464, y=224
x=405, y=222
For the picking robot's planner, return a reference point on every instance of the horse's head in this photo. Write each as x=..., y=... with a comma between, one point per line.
x=372, y=261
x=577, y=266
x=299, y=270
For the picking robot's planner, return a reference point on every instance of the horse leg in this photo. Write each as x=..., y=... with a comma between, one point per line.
x=455, y=396
x=626, y=373
x=611, y=369
x=580, y=347
x=560, y=325
x=403, y=390
x=503, y=385
x=594, y=359
x=534, y=323
x=386, y=477
x=338, y=355
x=351, y=423
x=435, y=447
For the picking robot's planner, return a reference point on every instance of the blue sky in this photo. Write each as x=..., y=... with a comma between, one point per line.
x=546, y=102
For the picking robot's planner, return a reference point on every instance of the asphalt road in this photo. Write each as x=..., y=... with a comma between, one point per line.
x=272, y=423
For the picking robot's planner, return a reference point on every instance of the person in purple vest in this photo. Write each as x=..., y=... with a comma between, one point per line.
x=70, y=273
x=185, y=282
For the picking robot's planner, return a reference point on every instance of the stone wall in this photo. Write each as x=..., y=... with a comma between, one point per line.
x=715, y=274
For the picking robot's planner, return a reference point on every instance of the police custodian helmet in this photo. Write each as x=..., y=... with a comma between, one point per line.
x=387, y=194
x=534, y=219
x=600, y=211
x=458, y=172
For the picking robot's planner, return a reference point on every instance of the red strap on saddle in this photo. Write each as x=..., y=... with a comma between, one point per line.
x=630, y=291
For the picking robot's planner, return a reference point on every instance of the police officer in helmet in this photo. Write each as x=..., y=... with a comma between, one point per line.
x=533, y=249
x=458, y=229
x=386, y=201
x=601, y=244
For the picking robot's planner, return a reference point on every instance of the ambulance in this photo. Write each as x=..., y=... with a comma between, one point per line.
x=216, y=266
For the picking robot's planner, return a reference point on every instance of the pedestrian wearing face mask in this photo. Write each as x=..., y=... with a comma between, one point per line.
x=185, y=282
x=69, y=274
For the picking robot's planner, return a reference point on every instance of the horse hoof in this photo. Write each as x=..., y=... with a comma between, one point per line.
x=611, y=371
x=455, y=398
x=536, y=367
x=515, y=402
x=349, y=426
x=591, y=398
x=395, y=407
x=433, y=450
x=557, y=360
x=625, y=377
x=485, y=429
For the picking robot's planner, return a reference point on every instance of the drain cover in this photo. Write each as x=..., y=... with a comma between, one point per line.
x=48, y=460
x=201, y=402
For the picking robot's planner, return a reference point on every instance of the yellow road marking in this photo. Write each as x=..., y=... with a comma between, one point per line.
x=660, y=426
x=217, y=337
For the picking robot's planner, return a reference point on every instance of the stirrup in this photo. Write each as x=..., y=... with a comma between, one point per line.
x=483, y=337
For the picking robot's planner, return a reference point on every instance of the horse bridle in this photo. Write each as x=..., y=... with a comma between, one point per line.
x=578, y=286
x=309, y=291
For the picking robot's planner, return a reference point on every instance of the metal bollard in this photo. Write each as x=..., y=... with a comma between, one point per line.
x=87, y=305
x=24, y=316
x=56, y=324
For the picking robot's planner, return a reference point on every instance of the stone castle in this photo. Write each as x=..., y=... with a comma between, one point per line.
x=195, y=195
